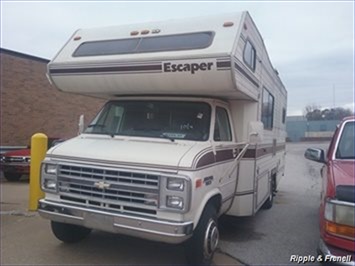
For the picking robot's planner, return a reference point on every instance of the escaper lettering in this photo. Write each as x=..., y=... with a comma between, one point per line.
x=193, y=67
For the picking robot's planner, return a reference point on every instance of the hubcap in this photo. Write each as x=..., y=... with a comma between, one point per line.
x=211, y=238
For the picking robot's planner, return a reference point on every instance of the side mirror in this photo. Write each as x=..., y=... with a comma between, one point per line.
x=255, y=132
x=316, y=155
x=81, y=124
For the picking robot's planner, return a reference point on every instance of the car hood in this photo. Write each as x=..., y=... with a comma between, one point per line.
x=161, y=153
x=343, y=172
x=18, y=153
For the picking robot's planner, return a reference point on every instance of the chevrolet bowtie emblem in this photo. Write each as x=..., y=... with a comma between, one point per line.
x=102, y=185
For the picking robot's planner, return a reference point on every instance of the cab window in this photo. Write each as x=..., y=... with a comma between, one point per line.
x=222, y=129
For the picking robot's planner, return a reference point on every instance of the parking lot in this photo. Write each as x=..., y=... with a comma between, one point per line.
x=290, y=227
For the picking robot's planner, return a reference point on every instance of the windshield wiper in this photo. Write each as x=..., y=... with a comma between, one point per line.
x=167, y=137
x=96, y=125
x=101, y=126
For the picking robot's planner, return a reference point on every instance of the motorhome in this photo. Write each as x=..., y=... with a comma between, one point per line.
x=194, y=127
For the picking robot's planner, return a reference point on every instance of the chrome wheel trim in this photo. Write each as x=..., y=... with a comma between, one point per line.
x=211, y=238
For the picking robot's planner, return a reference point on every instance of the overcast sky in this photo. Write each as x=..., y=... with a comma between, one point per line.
x=311, y=44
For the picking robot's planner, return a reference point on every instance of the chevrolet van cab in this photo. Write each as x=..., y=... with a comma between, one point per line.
x=194, y=127
x=337, y=207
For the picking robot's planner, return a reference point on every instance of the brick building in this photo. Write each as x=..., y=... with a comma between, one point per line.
x=29, y=104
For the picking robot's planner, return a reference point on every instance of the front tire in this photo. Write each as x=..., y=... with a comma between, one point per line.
x=12, y=177
x=69, y=233
x=201, y=247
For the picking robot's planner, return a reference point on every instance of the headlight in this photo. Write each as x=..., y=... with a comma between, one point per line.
x=175, y=184
x=340, y=218
x=175, y=193
x=175, y=202
x=50, y=184
x=49, y=177
x=51, y=169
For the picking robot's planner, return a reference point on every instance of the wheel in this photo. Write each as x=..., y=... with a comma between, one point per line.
x=69, y=233
x=12, y=177
x=200, y=248
x=270, y=201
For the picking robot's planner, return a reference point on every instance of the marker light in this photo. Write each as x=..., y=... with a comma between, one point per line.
x=228, y=24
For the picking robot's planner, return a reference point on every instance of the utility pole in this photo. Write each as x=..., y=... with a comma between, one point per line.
x=333, y=96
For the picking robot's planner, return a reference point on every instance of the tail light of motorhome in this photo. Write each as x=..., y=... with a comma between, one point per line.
x=145, y=32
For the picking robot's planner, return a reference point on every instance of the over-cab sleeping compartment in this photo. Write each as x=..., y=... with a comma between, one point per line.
x=180, y=57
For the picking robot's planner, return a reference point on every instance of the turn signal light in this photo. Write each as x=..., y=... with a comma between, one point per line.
x=198, y=183
x=340, y=230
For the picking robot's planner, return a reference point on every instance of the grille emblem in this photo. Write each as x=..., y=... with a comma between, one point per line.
x=102, y=185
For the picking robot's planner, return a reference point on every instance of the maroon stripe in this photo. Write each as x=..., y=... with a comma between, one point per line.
x=105, y=69
x=224, y=64
x=206, y=159
x=224, y=155
x=256, y=153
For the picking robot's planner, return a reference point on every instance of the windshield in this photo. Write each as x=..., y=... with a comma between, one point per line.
x=346, y=148
x=156, y=119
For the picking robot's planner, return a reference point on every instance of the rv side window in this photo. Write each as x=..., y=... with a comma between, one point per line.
x=188, y=41
x=176, y=42
x=222, y=129
x=249, y=55
x=267, y=111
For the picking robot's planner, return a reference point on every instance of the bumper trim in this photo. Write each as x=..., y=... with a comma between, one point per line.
x=324, y=250
x=151, y=229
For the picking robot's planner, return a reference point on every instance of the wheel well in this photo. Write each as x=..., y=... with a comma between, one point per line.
x=216, y=201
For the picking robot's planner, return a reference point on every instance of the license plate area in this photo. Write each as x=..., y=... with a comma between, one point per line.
x=98, y=221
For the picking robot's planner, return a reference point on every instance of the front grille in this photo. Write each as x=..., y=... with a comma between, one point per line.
x=109, y=189
x=15, y=159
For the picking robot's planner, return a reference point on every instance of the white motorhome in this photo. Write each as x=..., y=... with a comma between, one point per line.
x=194, y=128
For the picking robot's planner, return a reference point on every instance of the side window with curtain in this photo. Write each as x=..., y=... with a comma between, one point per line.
x=267, y=110
x=222, y=129
x=249, y=55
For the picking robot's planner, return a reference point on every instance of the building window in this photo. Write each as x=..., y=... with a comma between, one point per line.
x=222, y=129
x=267, y=111
x=249, y=55
x=187, y=41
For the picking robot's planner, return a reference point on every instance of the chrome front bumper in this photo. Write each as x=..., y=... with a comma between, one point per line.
x=151, y=229
x=335, y=255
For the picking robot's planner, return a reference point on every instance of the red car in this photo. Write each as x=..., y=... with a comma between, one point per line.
x=337, y=208
x=15, y=164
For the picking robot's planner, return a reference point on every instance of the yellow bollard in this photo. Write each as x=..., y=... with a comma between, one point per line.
x=39, y=143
